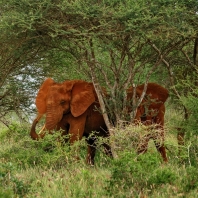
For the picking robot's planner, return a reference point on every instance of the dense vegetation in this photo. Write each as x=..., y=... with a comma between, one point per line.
x=115, y=44
x=49, y=169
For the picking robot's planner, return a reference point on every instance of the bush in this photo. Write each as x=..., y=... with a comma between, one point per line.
x=162, y=175
x=130, y=173
x=190, y=182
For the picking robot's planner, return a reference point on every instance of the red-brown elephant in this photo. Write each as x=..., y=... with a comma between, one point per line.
x=151, y=111
x=73, y=106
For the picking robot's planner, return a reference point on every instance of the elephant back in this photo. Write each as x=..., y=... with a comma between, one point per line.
x=154, y=92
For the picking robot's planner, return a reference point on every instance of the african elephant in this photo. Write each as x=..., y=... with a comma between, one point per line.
x=151, y=111
x=72, y=106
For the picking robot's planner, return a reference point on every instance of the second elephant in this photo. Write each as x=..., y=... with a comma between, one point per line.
x=150, y=112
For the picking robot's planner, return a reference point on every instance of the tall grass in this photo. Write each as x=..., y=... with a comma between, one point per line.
x=49, y=168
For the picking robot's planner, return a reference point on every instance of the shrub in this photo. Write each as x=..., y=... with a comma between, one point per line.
x=130, y=173
x=162, y=175
x=190, y=182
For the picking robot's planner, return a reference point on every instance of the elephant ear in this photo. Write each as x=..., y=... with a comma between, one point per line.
x=83, y=95
x=42, y=94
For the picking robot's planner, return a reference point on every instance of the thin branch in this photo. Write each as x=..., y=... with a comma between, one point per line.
x=189, y=61
x=169, y=70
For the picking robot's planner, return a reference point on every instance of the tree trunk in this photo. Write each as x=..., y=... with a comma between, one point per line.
x=98, y=90
x=195, y=56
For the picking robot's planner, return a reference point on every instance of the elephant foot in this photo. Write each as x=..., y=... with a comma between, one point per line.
x=89, y=161
x=162, y=151
x=91, y=151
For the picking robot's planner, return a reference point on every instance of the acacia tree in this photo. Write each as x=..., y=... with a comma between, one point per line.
x=115, y=43
x=130, y=41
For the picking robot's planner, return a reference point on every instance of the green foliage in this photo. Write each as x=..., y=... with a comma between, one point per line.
x=53, y=39
x=191, y=150
x=162, y=176
x=49, y=168
x=6, y=193
x=190, y=101
x=130, y=172
x=8, y=179
x=190, y=181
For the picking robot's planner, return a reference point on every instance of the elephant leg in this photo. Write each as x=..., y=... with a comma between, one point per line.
x=159, y=144
x=143, y=144
x=160, y=136
x=138, y=115
x=162, y=151
x=76, y=127
x=92, y=145
x=91, y=150
x=159, y=118
x=107, y=150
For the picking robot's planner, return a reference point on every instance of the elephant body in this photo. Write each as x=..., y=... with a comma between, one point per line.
x=150, y=112
x=92, y=123
x=72, y=106
x=152, y=107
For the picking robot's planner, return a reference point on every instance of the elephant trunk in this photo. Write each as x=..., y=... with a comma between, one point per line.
x=33, y=133
x=53, y=116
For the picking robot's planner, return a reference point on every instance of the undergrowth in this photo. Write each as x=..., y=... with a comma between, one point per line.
x=50, y=168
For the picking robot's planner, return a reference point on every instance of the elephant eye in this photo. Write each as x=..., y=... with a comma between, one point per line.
x=62, y=102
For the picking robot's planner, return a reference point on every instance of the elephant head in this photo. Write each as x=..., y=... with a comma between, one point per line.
x=55, y=99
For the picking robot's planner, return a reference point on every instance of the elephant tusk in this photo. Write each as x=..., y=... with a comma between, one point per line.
x=41, y=131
